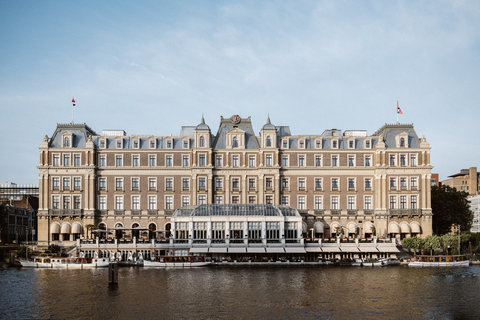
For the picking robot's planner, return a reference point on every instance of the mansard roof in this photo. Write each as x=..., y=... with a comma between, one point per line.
x=79, y=131
x=245, y=124
x=390, y=131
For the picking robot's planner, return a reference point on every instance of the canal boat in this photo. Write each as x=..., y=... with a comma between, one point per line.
x=176, y=262
x=371, y=263
x=440, y=261
x=65, y=263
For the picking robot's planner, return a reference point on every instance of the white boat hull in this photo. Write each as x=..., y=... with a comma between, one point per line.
x=465, y=263
x=380, y=263
x=157, y=264
x=59, y=264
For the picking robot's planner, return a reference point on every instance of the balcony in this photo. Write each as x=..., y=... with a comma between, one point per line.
x=352, y=212
x=136, y=212
x=119, y=212
x=368, y=212
x=152, y=212
x=65, y=212
x=405, y=212
x=319, y=212
x=335, y=212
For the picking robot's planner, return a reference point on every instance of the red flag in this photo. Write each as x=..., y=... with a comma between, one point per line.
x=73, y=101
x=399, y=111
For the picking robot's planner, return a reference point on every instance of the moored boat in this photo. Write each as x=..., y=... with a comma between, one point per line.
x=176, y=262
x=440, y=261
x=65, y=263
x=371, y=263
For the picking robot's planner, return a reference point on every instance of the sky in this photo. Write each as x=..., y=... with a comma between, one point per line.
x=149, y=67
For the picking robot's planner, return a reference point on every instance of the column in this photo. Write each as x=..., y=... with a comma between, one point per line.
x=244, y=189
x=276, y=185
x=226, y=199
x=264, y=233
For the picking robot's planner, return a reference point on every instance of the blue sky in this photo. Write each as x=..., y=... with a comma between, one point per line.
x=152, y=66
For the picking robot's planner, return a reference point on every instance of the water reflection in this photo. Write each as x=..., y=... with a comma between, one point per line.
x=271, y=293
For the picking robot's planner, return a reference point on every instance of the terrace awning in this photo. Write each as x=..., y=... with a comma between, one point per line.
x=217, y=250
x=199, y=250
x=295, y=250
x=237, y=250
x=275, y=250
x=256, y=250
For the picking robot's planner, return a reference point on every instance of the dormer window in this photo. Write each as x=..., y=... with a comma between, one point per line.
x=119, y=144
x=301, y=144
x=152, y=144
x=402, y=142
x=169, y=144
x=102, y=143
x=269, y=142
x=334, y=144
x=234, y=142
x=185, y=144
x=66, y=142
x=351, y=144
x=367, y=144
x=318, y=144
x=285, y=143
x=135, y=144
x=201, y=142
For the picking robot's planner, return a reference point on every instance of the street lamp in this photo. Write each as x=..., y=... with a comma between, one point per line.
x=311, y=229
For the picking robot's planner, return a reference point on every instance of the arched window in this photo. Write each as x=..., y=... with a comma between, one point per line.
x=269, y=142
x=135, y=230
x=66, y=142
x=402, y=142
x=234, y=142
x=151, y=230
x=202, y=142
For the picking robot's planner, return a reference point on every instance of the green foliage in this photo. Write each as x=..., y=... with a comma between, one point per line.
x=432, y=243
x=54, y=249
x=22, y=252
x=414, y=243
x=449, y=241
x=450, y=207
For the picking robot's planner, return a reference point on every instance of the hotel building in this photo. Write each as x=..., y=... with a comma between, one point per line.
x=342, y=183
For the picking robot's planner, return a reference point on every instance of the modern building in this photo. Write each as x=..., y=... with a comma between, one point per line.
x=353, y=184
x=466, y=180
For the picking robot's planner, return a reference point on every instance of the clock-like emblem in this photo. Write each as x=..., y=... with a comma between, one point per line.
x=236, y=119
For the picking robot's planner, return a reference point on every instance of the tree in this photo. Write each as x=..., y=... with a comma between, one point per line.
x=449, y=241
x=432, y=243
x=450, y=207
x=414, y=243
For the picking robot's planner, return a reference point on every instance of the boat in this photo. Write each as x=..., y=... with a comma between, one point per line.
x=371, y=263
x=65, y=263
x=176, y=262
x=440, y=261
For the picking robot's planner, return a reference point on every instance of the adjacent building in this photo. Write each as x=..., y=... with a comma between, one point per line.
x=344, y=183
x=466, y=180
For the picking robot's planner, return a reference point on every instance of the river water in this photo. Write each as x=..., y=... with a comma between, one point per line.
x=396, y=292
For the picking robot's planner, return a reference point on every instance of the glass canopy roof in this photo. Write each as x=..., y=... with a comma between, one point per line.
x=236, y=210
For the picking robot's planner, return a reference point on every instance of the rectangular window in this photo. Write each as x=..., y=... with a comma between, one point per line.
x=152, y=144
x=56, y=160
x=269, y=199
x=269, y=183
x=152, y=202
x=284, y=161
x=77, y=160
x=403, y=183
x=118, y=160
x=393, y=160
x=252, y=199
x=218, y=231
x=185, y=184
x=268, y=160
x=135, y=160
x=367, y=203
x=301, y=161
x=413, y=183
x=318, y=184
x=351, y=184
x=251, y=161
x=393, y=183
x=66, y=202
x=102, y=160
x=102, y=144
x=334, y=203
x=152, y=160
x=351, y=203
x=186, y=161
x=413, y=202
x=403, y=160
x=284, y=144
x=393, y=202
x=168, y=184
x=413, y=160
x=235, y=199
x=169, y=144
x=135, y=183
x=218, y=183
x=368, y=184
x=334, y=160
x=202, y=183
x=301, y=184
x=119, y=144
x=368, y=161
x=318, y=161
x=403, y=202
x=169, y=203
x=235, y=161
x=56, y=183
x=77, y=183
x=135, y=202
x=152, y=184
x=135, y=144
x=55, y=202
x=285, y=184
x=252, y=184
x=318, y=202
x=201, y=160
x=118, y=184
x=219, y=199
x=102, y=183
x=66, y=160
x=66, y=183
x=218, y=161
x=102, y=203
x=254, y=231
x=273, y=230
x=235, y=184
x=118, y=202
x=185, y=144
x=334, y=184
x=168, y=160
x=202, y=199
x=185, y=201
x=351, y=160
x=284, y=200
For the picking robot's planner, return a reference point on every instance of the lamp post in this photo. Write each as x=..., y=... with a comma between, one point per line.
x=311, y=231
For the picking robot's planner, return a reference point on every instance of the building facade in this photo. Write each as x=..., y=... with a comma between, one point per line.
x=466, y=180
x=351, y=183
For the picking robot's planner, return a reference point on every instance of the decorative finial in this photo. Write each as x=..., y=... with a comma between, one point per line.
x=203, y=120
x=268, y=119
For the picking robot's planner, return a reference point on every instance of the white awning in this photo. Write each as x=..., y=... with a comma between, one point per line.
x=416, y=227
x=334, y=226
x=295, y=250
x=331, y=249
x=237, y=250
x=65, y=228
x=318, y=227
x=367, y=227
x=198, y=250
x=313, y=249
x=304, y=227
x=275, y=250
x=352, y=228
x=349, y=249
x=393, y=228
x=77, y=228
x=55, y=227
x=405, y=227
x=368, y=249
x=388, y=249
x=217, y=250
x=256, y=250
